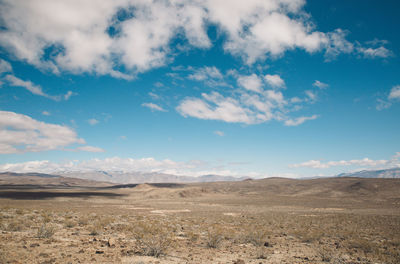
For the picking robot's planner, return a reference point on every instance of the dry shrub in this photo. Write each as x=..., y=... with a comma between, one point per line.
x=96, y=228
x=256, y=235
x=69, y=223
x=192, y=236
x=14, y=226
x=152, y=237
x=215, y=235
x=83, y=221
x=45, y=231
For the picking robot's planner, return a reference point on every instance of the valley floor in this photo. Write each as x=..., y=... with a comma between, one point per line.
x=200, y=223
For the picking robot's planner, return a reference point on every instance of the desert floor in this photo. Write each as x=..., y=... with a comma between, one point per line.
x=255, y=221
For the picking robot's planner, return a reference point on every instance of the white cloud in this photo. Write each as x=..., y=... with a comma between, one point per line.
x=34, y=89
x=394, y=93
x=92, y=36
x=20, y=133
x=93, y=121
x=337, y=44
x=392, y=97
x=312, y=96
x=90, y=149
x=219, y=133
x=320, y=85
x=247, y=104
x=274, y=81
x=317, y=164
x=204, y=73
x=299, y=120
x=372, y=53
x=154, y=107
x=68, y=95
x=211, y=76
x=251, y=82
x=46, y=113
x=5, y=66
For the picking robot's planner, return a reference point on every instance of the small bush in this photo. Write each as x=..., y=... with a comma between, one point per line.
x=256, y=236
x=152, y=238
x=69, y=223
x=96, y=229
x=45, y=231
x=214, y=237
x=14, y=226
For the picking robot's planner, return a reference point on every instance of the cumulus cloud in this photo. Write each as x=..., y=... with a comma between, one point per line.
x=366, y=162
x=46, y=113
x=274, y=81
x=249, y=103
x=251, y=82
x=153, y=107
x=394, y=93
x=20, y=133
x=35, y=89
x=103, y=37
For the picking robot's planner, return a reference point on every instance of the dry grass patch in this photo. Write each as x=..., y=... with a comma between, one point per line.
x=45, y=231
x=152, y=237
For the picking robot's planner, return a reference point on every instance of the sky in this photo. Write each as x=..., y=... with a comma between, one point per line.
x=260, y=88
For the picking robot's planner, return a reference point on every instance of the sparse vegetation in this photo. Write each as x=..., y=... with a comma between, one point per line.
x=152, y=238
x=45, y=231
x=215, y=236
x=209, y=230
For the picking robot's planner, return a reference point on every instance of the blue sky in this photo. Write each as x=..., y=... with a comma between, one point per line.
x=258, y=88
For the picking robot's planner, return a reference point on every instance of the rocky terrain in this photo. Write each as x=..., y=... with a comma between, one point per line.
x=334, y=220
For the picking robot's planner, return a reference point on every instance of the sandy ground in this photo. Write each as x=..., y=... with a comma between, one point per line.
x=253, y=222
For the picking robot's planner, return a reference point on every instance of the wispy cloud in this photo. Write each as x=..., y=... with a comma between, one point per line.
x=90, y=149
x=93, y=121
x=320, y=85
x=35, y=89
x=317, y=164
x=299, y=120
x=219, y=133
x=5, y=66
x=392, y=97
x=154, y=107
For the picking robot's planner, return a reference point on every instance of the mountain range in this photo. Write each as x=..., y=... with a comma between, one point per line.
x=108, y=178
x=387, y=173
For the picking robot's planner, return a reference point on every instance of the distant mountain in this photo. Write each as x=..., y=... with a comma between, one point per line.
x=27, y=180
x=388, y=174
x=145, y=177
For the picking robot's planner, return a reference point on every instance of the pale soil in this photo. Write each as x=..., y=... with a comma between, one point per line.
x=275, y=221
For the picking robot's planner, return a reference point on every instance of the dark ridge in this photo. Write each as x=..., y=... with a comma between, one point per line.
x=35, y=174
x=167, y=185
x=21, y=195
x=122, y=186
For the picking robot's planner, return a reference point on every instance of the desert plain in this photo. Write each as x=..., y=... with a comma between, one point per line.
x=274, y=220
